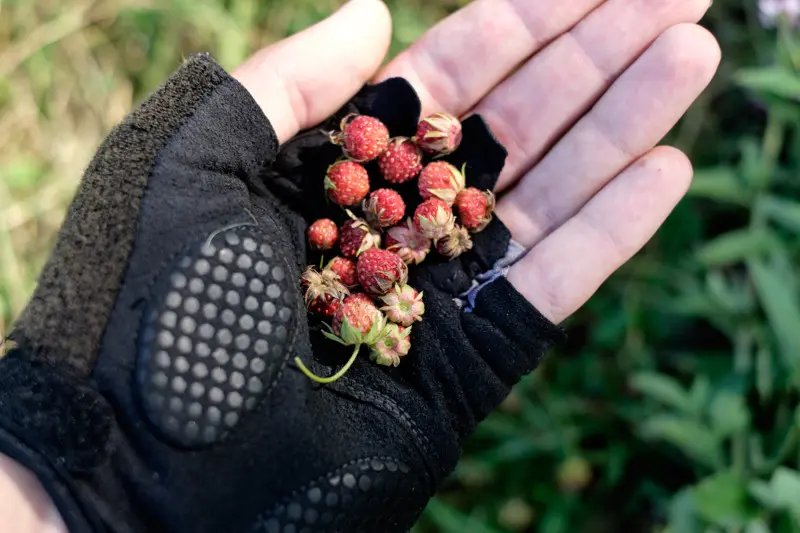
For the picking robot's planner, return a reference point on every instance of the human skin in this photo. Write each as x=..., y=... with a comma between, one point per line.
x=579, y=92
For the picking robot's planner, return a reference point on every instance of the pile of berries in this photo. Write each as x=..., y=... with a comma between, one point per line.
x=362, y=294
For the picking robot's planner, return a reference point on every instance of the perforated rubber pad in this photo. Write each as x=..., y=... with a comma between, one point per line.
x=352, y=498
x=211, y=346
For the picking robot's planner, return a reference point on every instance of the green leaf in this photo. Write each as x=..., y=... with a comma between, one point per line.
x=728, y=414
x=695, y=440
x=783, y=212
x=736, y=246
x=700, y=394
x=721, y=184
x=756, y=526
x=781, y=493
x=777, y=81
x=781, y=308
x=722, y=499
x=682, y=513
x=663, y=389
x=448, y=519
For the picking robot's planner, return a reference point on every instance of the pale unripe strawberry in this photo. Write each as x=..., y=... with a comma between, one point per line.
x=441, y=180
x=362, y=138
x=347, y=183
x=384, y=208
x=380, y=270
x=392, y=345
x=323, y=234
x=403, y=305
x=454, y=243
x=475, y=208
x=439, y=134
x=401, y=161
x=434, y=219
x=407, y=242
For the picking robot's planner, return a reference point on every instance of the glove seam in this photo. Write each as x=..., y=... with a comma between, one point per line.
x=385, y=404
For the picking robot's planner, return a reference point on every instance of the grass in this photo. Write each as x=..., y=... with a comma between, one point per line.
x=673, y=408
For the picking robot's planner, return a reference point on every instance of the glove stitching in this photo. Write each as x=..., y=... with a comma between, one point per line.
x=421, y=440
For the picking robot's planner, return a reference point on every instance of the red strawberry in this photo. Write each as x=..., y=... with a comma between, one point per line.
x=345, y=269
x=360, y=297
x=411, y=245
x=454, y=243
x=401, y=161
x=441, y=180
x=354, y=324
x=384, y=208
x=475, y=208
x=362, y=138
x=380, y=270
x=356, y=236
x=324, y=292
x=323, y=234
x=347, y=183
x=439, y=134
x=434, y=219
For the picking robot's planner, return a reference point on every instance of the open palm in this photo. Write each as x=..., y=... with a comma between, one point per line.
x=579, y=92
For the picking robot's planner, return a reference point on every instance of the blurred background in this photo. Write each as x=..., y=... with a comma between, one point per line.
x=674, y=406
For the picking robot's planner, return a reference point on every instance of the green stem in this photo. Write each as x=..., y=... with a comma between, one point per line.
x=332, y=378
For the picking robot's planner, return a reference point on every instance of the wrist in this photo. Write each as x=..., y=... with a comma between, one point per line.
x=24, y=504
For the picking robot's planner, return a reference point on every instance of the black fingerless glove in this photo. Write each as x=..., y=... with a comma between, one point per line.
x=152, y=386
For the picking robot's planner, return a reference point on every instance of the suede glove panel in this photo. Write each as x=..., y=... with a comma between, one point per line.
x=151, y=387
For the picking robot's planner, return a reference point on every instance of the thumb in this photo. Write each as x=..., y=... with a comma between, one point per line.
x=301, y=80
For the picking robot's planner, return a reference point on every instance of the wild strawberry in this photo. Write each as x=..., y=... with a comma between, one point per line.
x=441, y=180
x=384, y=208
x=434, y=219
x=403, y=305
x=324, y=291
x=475, y=208
x=392, y=345
x=411, y=245
x=360, y=297
x=439, y=134
x=346, y=270
x=380, y=270
x=401, y=161
x=454, y=243
x=362, y=138
x=323, y=234
x=346, y=183
x=356, y=236
x=354, y=324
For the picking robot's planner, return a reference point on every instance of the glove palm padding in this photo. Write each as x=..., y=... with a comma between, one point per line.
x=152, y=387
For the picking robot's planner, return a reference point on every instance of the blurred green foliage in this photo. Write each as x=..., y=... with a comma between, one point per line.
x=674, y=406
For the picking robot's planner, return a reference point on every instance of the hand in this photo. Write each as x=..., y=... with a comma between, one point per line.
x=579, y=92
x=88, y=408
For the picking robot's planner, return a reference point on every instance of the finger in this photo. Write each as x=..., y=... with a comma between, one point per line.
x=458, y=61
x=301, y=80
x=635, y=114
x=537, y=104
x=563, y=271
